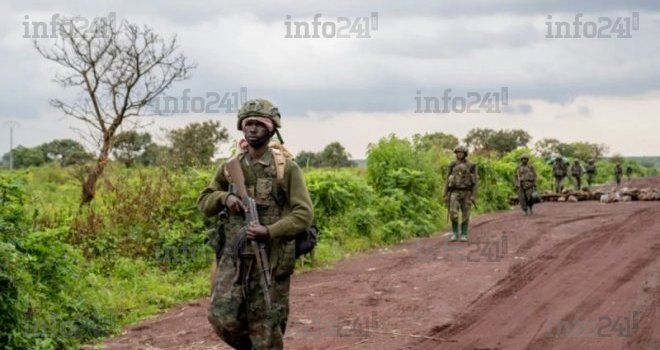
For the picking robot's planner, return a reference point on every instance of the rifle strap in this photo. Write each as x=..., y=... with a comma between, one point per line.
x=280, y=162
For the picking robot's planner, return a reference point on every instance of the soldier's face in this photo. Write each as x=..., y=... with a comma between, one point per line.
x=460, y=155
x=524, y=161
x=254, y=130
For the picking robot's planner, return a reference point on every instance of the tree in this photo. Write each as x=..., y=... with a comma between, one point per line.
x=154, y=155
x=130, y=145
x=307, y=159
x=119, y=72
x=66, y=152
x=502, y=141
x=334, y=155
x=505, y=141
x=617, y=158
x=478, y=139
x=582, y=150
x=24, y=157
x=546, y=148
x=196, y=143
x=437, y=140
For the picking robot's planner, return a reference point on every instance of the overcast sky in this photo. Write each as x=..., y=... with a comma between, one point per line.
x=357, y=90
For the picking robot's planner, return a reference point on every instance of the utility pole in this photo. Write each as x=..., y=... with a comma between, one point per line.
x=11, y=125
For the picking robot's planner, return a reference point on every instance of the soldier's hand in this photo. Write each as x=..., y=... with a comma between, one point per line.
x=234, y=203
x=257, y=232
x=445, y=197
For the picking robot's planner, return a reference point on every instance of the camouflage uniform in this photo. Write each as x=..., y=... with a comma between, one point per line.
x=591, y=172
x=559, y=172
x=629, y=171
x=526, y=183
x=238, y=311
x=461, y=187
x=576, y=173
x=618, y=172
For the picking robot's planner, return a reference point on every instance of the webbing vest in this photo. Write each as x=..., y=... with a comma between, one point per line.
x=264, y=183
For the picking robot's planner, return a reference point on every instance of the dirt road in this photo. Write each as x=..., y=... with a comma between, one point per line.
x=591, y=268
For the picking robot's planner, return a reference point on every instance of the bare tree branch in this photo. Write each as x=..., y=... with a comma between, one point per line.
x=119, y=72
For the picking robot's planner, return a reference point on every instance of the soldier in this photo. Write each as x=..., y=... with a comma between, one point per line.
x=525, y=184
x=576, y=173
x=591, y=172
x=629, y=171
x=238, y=311
x=460, y=191
x=559, y=172
x=618, y=172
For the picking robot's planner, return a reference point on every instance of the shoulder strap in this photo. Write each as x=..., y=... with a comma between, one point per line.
x=226, y=171
x=280, y=162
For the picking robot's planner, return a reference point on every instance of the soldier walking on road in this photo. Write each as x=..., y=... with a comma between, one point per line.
x=618, y=172
x=238, y=311
x=525, y=184
x=461, y=191
x=591, y=172
x=629, y=171
x=559, y=172
x=576, y=173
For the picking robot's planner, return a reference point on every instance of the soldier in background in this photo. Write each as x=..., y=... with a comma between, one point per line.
x=559, y=172
x=576, y=173
x=618, y=172
x=591, y=172
x=629, y=171
x=525, y=184
x=460, y=191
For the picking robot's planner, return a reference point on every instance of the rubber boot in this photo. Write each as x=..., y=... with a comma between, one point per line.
x=454, y=230
x=464, y=229
x=530, y=210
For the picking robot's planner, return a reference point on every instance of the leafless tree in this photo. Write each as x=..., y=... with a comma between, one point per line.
x=119, y=71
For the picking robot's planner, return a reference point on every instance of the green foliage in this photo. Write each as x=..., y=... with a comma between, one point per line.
x=437, y=140
x=485, y=141
x=334, y=155
x=583, y=151
x=23, y=157
x=65, y=152
x=129, y=146
x=196, y=143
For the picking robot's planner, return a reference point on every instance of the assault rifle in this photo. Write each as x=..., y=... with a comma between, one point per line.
x=251, y=216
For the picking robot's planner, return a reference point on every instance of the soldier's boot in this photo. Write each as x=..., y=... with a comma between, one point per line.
x=525, y=212
x=454, y=230
x=530, y=210
x=464, y=231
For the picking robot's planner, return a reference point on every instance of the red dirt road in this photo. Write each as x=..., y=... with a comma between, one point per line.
x=587, y=260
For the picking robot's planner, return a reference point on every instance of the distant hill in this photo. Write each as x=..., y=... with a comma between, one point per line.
x=652, y=160
x=361, y=163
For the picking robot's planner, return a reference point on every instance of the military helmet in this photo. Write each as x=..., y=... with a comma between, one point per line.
x=461, y=149
x=259, y=107
x=591, y=161
x=559, y=157
x=524, y=156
